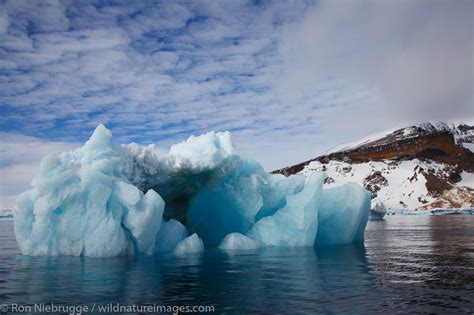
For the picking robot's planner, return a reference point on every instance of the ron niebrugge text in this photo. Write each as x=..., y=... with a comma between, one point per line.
x=105, y=308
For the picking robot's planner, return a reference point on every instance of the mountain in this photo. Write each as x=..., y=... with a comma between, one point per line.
x=426, y=166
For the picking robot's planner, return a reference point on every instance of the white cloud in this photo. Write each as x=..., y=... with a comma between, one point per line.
x=290, y=79
x=19, y=162
x=416, y=56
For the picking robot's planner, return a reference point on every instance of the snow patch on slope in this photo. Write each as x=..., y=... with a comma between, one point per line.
x=467, y=180
x=469, y=146
x=405, y=185
x=357, y=143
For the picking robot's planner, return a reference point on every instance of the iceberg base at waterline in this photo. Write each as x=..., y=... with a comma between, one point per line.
x=104, y=200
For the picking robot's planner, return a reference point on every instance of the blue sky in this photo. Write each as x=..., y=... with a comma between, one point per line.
x=289, y=79
x=150, y=70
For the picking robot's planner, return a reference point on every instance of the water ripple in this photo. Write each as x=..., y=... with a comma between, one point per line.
x=421, y=264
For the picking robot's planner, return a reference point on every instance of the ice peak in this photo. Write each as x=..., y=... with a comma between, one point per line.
x=99, y=138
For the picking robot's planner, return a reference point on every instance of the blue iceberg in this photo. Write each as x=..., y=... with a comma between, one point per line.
x=171, y=233
x=237, y=241
x=343, y=215
x=191, y=245
x=105, y=200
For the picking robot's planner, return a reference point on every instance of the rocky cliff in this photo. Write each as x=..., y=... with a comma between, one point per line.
x=418, y=167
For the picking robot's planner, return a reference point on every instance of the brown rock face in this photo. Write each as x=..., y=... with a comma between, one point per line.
x=436, y=185
x=451, y=199
x=374, y=182
x=437, y=146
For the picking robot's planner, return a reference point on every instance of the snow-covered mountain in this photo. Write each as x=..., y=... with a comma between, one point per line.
x=419, y=167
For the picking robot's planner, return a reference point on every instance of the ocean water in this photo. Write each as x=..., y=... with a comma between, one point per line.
x=406, y=264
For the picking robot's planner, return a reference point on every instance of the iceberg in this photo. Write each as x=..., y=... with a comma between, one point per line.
x=104, y=200
x=82, y=203
x=171, y=233
x=378, y=211
x=237, y=241
x=190, y=245
x=296, y=223
x=343, y=215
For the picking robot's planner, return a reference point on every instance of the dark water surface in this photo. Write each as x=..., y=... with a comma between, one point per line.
x=407, y=264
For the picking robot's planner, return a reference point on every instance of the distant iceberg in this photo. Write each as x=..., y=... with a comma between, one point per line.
x=378, y=211
x=6, y=213
x=105, y=200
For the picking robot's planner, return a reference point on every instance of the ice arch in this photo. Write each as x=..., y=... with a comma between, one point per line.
x=105, y=200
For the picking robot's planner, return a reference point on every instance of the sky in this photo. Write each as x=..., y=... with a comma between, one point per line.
x=289, y=79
